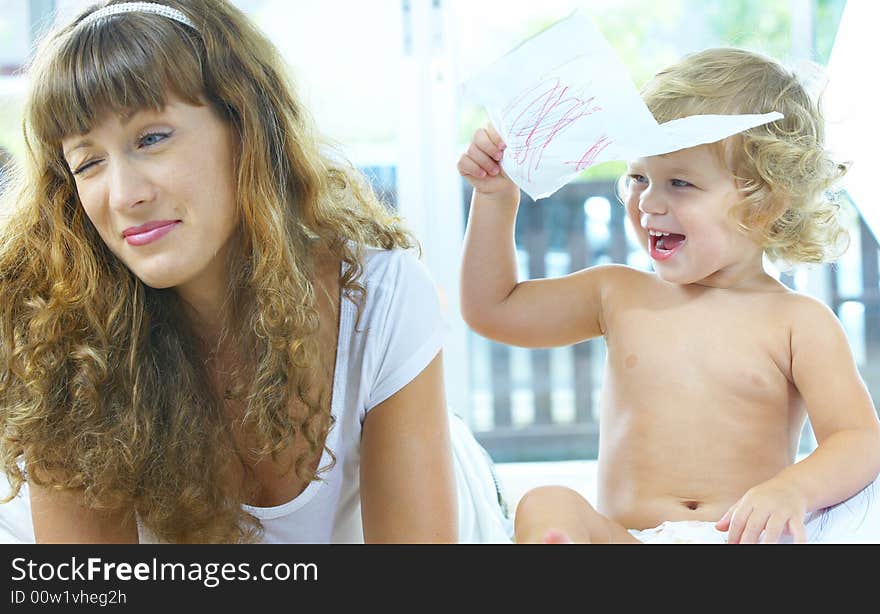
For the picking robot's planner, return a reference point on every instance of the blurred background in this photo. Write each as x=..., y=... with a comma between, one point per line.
x=383, y=80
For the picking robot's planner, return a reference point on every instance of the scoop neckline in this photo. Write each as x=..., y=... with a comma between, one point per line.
x=282, y=509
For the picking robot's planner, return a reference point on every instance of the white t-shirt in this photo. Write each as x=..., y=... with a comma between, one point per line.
x=399, y=333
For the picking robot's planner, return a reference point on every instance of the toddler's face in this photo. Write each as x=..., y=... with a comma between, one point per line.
x=679, y=204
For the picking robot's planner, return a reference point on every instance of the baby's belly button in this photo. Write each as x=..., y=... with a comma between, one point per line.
x=677, y=508
x=697, y=509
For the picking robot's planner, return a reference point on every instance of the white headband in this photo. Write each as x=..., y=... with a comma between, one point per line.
x=139, y=7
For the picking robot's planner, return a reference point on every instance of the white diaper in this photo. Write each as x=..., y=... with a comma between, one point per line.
x=681, y=532
x=854, y=521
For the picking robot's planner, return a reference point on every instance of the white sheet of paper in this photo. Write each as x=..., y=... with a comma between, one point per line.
x=563, y=101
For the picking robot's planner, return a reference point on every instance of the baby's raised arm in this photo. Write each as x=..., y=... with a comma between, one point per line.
x=535, y=313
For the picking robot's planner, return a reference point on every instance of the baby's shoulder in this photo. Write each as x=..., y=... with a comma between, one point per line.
x=616, y=282
x=801, y=309
x=621, y=275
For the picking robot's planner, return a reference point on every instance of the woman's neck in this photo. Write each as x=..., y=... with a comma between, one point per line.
x=205, y=298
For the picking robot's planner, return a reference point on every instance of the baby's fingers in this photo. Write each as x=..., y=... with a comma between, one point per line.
x=482, y=159
x=723, y=523
x=489, y=141
x=738, y=521
x=774, y=529
x=466, y=166
x=495, y=137
x=798, y=530
x=757, y=522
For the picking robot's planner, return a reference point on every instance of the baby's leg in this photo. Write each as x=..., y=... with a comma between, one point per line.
x=546, y=511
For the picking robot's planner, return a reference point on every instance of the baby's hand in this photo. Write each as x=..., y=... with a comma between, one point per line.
x=480, y=163
x=774, y=507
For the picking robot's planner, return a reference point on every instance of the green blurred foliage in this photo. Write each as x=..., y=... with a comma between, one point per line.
x=828, y=13
x=643, y=33
x=753, y=24
x=10, y=125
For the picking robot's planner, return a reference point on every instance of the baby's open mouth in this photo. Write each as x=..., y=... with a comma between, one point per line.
x=664, y=244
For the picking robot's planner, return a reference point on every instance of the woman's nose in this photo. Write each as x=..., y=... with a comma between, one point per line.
x=128, y=185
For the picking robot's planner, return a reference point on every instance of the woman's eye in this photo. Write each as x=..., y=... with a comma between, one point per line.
x=681, y=183
x=152, y=138
x=84, y=167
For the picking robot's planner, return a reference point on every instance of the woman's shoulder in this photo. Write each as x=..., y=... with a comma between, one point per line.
x=391, y=268
x=375, y=265
x=396, y=281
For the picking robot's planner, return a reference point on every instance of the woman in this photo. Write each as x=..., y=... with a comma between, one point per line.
x=211, y=331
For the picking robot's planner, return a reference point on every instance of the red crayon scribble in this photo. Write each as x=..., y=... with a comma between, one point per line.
x=539, y=115
x=591, y=154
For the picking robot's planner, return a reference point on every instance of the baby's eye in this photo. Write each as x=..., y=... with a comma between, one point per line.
x=636, y=178
x=681, y=183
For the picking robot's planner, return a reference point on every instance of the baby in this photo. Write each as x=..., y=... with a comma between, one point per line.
x=713, y=365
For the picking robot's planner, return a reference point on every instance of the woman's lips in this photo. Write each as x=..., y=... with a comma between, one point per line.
x=149, y=232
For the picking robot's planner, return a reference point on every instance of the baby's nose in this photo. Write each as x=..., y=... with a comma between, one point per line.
x=652, y=203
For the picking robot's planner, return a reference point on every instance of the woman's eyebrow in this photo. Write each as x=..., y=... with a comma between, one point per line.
x=79, y=145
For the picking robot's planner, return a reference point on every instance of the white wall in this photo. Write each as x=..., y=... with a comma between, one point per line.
x=850, y=104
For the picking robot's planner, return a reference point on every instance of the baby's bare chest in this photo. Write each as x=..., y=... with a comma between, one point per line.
x=699, y=350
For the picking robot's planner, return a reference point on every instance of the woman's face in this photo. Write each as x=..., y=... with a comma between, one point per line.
x=159, y=187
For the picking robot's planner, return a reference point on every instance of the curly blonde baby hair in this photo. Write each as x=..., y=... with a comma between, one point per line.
x=783, y=169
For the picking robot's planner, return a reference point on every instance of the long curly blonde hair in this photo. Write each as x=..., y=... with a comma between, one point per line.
x=784, y=171
x=103, y=386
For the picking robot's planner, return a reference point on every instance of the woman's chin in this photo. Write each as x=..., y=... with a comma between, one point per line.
x=158, y=280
